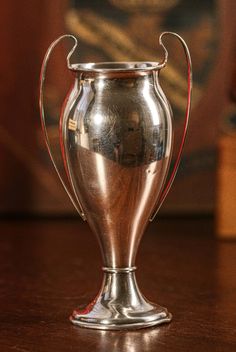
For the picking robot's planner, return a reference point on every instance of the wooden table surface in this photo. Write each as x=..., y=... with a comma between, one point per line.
x=47, y=268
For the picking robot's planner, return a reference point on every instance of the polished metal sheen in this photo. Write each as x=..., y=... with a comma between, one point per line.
x=116, y=143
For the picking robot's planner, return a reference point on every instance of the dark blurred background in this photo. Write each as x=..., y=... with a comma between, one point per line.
x=114, y=30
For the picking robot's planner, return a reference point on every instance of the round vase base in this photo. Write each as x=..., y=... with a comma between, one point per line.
x=132, y=320
x=120, y=305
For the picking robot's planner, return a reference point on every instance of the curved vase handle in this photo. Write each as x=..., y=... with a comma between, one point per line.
x=72, y=197
x=169, y=183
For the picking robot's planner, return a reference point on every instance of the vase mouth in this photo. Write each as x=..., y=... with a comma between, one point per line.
x=122, y=66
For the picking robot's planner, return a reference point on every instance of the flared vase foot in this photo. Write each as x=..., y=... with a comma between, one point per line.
x=120, y=305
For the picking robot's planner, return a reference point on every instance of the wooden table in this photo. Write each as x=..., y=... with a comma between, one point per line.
x=47, y=268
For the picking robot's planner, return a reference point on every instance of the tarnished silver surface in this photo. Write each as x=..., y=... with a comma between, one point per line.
x=116, y=142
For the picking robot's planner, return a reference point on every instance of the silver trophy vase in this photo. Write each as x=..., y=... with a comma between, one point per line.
x=116, y=144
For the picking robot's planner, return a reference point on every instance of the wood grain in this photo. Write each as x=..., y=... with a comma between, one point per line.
x=226, y=186
x=47, y=268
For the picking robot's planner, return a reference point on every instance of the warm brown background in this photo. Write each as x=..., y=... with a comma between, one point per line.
x=27, y=181
x=44, y=264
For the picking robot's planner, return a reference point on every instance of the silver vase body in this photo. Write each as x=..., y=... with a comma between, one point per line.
x=116, y=142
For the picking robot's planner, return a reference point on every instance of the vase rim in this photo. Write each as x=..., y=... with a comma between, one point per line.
x=116, y=66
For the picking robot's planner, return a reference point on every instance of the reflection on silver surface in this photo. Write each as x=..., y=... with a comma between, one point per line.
x=118, y=156
x=120, y=305
x=122, y=119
